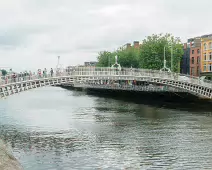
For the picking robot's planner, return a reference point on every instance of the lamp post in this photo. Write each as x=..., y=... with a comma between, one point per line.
x=164, y=61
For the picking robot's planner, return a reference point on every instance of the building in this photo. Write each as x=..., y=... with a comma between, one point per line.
x=90, y=63
x=185, y=62
x=195, y=55
x=206, y=56
x=136, y=45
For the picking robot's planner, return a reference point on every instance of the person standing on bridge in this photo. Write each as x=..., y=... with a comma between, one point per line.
x=39, y=73
x=44, y=73
x=51, y=72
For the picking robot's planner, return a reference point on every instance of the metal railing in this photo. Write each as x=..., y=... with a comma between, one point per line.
x=108, y=72
x=8, y=79
x=102, y=71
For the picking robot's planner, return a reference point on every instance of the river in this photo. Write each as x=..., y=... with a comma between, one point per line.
x=53, y=128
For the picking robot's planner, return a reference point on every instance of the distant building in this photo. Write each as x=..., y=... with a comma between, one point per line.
x=206, y=56
x=90, y=63
x=136, y=45
x=195, y=56
x=185, y=62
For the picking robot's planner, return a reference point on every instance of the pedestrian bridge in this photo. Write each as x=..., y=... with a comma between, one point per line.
x=96, y=77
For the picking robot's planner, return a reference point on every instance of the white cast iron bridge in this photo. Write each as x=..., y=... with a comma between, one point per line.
x=96, y=77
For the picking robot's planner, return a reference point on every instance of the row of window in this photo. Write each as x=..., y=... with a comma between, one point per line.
x=209, y=46
x=198, y=51
x=193, y=71
x=209, y=67
x=208, y=56
x=192, y=60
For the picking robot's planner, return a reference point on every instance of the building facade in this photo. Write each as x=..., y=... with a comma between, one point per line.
x=136, y=45
x=195, y=56
x=206, y=56
x=90, y=64
x=185, y=62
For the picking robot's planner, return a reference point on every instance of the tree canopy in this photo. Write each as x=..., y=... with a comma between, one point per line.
x=150, y=55
x=4, y=72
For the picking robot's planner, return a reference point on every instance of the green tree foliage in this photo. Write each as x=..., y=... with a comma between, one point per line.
x=152, y=52
x=4, y=72
x=128, y=57
x=104, y=59
x=149, y=56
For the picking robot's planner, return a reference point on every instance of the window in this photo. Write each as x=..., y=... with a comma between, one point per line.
x=198, y=70
x=192, y=70
x=210, y=67
x=205, y=56
x=192, y=51
x=205, y=46
x=198, y=60
x=210, y=56
x=198, y=51
x=204, y=67
x=210, y=45
x=192, y=60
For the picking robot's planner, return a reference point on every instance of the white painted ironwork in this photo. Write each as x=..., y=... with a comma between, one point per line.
x=10, y=85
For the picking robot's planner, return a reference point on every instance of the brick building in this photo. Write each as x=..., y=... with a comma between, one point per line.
x=195, y=56
x=136, y=45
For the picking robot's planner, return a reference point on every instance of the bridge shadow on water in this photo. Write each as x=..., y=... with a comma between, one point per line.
x=176, y=101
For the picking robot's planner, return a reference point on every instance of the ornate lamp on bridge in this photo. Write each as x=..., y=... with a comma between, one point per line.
x=164, y=63
x=116, y=65
x=59, y=67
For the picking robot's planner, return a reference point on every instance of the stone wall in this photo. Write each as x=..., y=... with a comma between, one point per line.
x=7, y=160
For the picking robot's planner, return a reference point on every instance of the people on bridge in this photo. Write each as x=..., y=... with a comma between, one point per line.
x=51, y=71
x=39, y=73
x=30, y=75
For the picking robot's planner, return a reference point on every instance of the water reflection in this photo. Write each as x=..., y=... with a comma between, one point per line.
x=54, y=128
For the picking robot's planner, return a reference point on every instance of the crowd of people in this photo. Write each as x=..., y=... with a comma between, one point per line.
x=27, y=75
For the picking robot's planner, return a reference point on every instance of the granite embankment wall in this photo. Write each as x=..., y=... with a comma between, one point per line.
x=7, y=160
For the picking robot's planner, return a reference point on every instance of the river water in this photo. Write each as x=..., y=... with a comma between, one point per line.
x=57, y=129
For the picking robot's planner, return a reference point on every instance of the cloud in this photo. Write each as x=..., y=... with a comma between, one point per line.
x=33, y=33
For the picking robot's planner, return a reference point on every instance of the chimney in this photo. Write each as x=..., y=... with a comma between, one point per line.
x=136, y=44
x=128, y=45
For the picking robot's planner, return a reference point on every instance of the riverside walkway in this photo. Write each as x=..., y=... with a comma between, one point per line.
x=103, y=75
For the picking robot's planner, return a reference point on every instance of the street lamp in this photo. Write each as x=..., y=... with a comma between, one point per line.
x=164, y=62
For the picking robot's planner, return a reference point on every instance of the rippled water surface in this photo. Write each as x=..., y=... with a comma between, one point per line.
x=57, y=129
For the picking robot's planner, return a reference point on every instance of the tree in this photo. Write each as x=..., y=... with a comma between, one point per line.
x=128, y=57
x=4, y=72
x=152, y=52
x=105, y=59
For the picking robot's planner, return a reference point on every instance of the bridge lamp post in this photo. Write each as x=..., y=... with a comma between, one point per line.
x=164, y=62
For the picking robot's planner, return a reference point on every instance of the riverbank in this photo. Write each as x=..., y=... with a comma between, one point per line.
x=7, y=160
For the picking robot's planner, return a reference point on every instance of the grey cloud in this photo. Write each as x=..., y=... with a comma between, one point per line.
x=39, y=30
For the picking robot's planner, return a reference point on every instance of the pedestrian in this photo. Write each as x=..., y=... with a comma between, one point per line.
x=30, y=75
x=51, y=72
x=39, y=73
x=45, y=73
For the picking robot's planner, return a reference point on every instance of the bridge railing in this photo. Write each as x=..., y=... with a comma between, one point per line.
x=102, y=71
x=107, y=71
x=8, y=79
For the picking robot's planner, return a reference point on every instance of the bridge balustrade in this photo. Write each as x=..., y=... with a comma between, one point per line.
x=106, y=71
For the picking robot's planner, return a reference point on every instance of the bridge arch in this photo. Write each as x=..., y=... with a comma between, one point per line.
x=193, y=85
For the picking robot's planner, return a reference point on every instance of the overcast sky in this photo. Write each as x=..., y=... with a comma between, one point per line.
x=34, y=32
